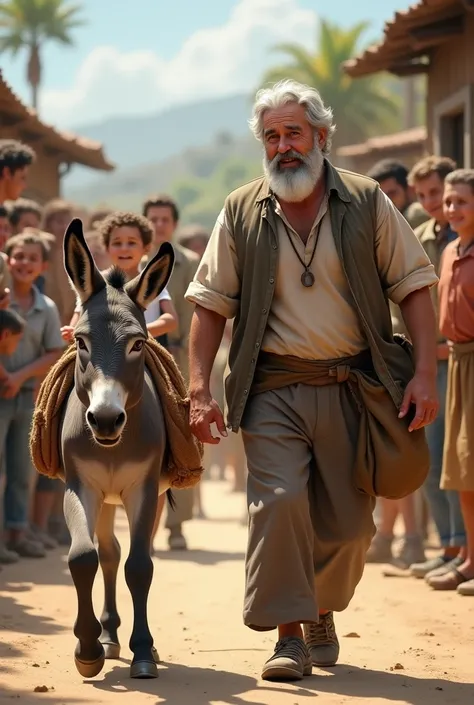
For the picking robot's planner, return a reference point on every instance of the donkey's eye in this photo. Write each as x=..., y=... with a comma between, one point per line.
x=81, y=344
x=137, y=346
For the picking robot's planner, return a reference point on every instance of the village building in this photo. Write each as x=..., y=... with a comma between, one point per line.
x=56, y=151
x=436, y=38
x=407, y=146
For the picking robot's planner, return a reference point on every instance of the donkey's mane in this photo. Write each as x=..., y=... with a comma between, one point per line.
x=116, y=278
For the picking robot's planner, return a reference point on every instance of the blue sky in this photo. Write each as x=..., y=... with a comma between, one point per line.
x=153, y=53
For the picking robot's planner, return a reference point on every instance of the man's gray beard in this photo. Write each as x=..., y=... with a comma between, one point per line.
x=294, y=185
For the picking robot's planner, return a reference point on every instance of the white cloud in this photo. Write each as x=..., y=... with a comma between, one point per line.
x=212, y=62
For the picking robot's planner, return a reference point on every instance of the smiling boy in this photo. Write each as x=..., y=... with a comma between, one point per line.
x=456, y=306
x=38, y=349
x=127, y=238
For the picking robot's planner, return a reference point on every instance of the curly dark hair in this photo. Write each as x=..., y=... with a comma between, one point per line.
x=120, y=219
x=14, y=155
x=10, y=320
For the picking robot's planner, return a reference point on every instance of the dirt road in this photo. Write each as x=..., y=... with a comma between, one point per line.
x=413, y=646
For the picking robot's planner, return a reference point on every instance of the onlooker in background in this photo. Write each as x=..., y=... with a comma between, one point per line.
x=38, y=349
x=163, y=213
x=24, y=213
x=96, y=217
x=194, y=237
x=11, y=330
x=50, y=241
x=15, y=159
x=97, y=248
x=127, y=238
x=5, y=227
x=427, y=179
x=57, y=215
x=456, y=315
x=392, y=177
x=5, y=284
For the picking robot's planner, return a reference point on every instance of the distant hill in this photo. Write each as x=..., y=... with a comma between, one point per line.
x=126, y=188
x=131, y=141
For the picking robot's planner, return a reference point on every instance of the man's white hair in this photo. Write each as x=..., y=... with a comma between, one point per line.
x=288, y=91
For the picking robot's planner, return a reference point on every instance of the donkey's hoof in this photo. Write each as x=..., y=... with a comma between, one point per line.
x=155, y=654
x=89, y=669
x=143, y=669
x=111, y=650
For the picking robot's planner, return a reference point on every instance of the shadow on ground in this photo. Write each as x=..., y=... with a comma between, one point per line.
x=180, y=684
x=19, y=580
x=200, y=556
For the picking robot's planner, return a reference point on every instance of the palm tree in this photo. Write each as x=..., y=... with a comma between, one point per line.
x=29, y=24
x=361, y=106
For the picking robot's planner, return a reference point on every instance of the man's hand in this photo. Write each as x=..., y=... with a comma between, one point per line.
x=5, y=299
x=421, y=391
x=204, y=411
x=10, y=385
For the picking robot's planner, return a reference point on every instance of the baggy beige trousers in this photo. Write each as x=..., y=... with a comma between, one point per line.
x=309, y=528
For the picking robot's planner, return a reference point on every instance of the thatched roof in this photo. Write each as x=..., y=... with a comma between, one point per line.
x=410, y=36
x=72, y=148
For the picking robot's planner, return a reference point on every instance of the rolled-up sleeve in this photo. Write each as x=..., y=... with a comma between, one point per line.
x=216, y=284
x=404, y=266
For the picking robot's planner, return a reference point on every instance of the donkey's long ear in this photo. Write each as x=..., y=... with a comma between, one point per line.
x=79, y=263
x=148, y=284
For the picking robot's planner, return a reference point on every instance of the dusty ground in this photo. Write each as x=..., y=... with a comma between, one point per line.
x=414, y=646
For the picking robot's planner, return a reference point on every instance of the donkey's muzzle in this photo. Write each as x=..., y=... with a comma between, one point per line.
x=106, y=424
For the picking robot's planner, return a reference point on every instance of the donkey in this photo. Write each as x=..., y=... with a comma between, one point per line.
x=113, y=445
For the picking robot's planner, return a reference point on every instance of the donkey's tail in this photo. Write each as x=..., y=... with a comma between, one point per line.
x=171, y=499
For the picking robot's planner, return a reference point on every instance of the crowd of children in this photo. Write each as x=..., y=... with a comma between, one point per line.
x=38, y=312
x=446, y=195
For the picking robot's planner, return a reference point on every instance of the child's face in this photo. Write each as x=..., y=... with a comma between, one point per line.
x=9, y=342
x=126, y=248
x=26, y=264
x=458, y=206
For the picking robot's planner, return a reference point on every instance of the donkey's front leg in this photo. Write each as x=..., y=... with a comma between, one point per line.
x=109, y=559
x=141, y=505
x=81, y=508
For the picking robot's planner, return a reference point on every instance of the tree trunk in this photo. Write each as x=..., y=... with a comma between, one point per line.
x=34, y=74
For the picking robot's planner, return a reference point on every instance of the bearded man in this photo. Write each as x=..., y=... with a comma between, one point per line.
x=304, y=260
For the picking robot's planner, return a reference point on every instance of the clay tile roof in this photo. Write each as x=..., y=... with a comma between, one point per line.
x=405, y=40
x=399, y=140
x=74, y=149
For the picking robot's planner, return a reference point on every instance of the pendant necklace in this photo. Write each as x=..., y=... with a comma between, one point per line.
x=307, y=278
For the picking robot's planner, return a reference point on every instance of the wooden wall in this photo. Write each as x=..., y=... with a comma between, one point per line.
x=451, y=72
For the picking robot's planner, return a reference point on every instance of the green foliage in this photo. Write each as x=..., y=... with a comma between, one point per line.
x=201, y=199
x=362, y=107
x=29, y=24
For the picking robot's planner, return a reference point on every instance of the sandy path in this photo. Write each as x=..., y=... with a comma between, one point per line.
x=209, y=657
